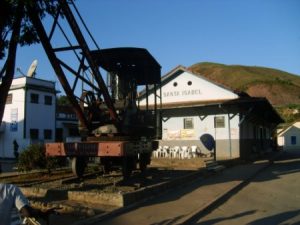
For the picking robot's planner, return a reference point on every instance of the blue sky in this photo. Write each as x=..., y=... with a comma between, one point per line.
x=185, y=32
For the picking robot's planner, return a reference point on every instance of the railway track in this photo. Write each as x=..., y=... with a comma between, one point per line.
x=32, y=178
x=65, y=180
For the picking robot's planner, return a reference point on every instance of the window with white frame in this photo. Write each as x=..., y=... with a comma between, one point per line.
x=219, y=121
x=47, y=134
x=188, y=123
x=34, y=134
x=48, y=100
x=9, y=99
x=34, y=98
x=293, y=140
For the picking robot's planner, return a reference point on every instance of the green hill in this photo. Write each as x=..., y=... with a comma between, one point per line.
x=282, y=89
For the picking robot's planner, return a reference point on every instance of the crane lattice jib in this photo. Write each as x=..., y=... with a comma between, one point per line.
x=66, y=25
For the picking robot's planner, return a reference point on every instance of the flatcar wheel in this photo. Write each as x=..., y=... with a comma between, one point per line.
x=106, y=165
x=127, y=167
x=78, y=166
x=144, y=160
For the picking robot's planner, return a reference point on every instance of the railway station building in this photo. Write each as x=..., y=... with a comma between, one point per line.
x=197, y=112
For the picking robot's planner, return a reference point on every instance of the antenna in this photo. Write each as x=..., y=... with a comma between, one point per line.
x=20, y=71
x=32, y=69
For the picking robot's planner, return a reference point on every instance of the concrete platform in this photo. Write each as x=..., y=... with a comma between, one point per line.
x=182, y=205
x=112, y=199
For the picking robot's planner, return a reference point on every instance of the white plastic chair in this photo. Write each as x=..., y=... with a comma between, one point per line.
x=165, y=151
x=194, y=151
x=176, y=151
x=185, y=152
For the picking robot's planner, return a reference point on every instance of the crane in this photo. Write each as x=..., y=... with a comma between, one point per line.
x=112, y=123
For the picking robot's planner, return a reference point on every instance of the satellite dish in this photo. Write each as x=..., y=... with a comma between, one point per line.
x=208, y=141
x=32, y=68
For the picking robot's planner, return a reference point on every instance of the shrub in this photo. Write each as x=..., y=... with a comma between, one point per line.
x=33, y=157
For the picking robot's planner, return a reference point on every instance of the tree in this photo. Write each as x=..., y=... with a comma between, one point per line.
x=16, y=28
x=63, y=100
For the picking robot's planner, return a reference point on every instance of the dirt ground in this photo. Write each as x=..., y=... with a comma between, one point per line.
x=180, y=164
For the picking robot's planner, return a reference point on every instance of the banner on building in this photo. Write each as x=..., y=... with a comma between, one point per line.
x=14, y=120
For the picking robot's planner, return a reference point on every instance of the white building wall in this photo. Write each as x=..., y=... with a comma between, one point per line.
x=191, y=88
x=280, y=138
x=175, y=124
x=227, y=138
x=21, y=115
x=290, y=139
x=14, y=123
x=39, y=115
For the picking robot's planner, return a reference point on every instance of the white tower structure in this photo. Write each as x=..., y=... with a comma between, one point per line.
x=29, y=115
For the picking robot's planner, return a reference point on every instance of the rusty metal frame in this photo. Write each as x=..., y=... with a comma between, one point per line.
x=102, y=149
x=61, y=67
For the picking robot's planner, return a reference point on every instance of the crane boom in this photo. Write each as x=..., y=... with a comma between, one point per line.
x=59, y=65
x=86, y=52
